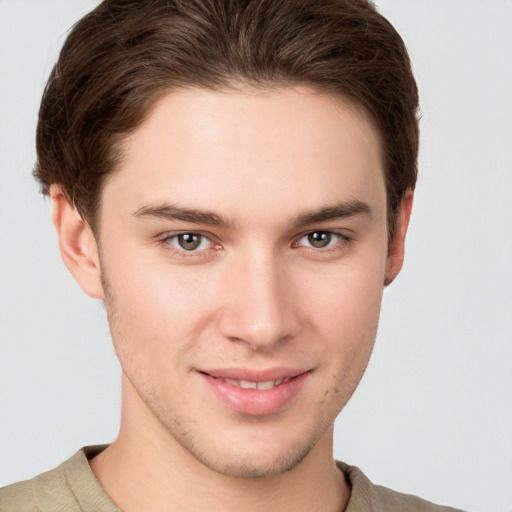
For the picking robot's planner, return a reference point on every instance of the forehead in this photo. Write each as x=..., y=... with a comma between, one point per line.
x=210, y=148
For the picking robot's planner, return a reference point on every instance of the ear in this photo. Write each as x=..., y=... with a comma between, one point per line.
x=77, y=244
x=395, y=258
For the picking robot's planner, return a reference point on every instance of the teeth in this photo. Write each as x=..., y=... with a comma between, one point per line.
x=269, y=384
x=232, y=381
x=246, y=384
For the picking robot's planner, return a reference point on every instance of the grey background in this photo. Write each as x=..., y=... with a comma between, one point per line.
x=433, y=416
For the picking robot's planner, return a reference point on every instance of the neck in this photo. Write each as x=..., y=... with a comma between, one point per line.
x=146, y=461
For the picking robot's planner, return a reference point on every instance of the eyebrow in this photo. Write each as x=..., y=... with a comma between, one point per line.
x=338, y=211
x=196, y=216
x=173, y=212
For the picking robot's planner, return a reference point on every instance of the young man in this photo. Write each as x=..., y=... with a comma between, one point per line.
x=234, y=180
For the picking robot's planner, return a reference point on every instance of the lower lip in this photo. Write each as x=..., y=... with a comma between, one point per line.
x=256, y=402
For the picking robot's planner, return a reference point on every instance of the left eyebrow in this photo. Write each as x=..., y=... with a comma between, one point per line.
x=338, y=211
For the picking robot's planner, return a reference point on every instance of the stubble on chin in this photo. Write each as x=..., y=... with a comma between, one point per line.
x=240, y=463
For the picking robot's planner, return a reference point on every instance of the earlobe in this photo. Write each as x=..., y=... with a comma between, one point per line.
x=77, y=244
x=395, y=258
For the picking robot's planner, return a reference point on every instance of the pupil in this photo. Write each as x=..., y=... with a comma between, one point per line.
x=319, y=239
x=189, y=241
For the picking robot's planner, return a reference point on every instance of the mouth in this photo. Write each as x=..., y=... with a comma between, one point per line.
x=256, y=393
x=264, y=385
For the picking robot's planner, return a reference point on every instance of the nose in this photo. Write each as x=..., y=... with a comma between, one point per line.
x=259, y=308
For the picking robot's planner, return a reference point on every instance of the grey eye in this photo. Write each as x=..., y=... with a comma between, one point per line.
x=189, y=241
x=320, y=239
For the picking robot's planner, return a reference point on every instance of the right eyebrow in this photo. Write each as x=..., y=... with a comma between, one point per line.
x=173, y=212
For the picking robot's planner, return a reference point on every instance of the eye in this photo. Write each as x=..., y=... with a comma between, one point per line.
x=189, y=242
x=320, y=239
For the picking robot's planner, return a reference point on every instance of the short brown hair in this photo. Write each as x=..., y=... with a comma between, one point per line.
x=126, y=54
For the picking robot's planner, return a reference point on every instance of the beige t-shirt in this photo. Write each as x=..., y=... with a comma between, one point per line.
x=72, y=487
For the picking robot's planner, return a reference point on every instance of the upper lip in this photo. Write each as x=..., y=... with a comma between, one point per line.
x=253, y=375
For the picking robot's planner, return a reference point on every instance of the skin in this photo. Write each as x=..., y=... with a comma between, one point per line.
x=255, y=294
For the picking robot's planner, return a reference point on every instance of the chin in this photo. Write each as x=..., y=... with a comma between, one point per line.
x=261, y=455
x=251, y=465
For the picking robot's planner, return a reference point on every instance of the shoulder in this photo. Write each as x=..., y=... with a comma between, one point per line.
x=32, y=495
x=69, y=487
x=17, y=497
x=367, y=496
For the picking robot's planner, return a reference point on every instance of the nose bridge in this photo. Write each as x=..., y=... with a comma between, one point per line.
x=259, y=309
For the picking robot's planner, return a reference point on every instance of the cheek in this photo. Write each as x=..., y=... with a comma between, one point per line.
x=345, y=312
x=155, y=311
x=349, y=330
x=345, y=302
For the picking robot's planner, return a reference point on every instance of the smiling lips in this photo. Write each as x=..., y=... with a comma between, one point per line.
x=247, y=384
x=255, y=393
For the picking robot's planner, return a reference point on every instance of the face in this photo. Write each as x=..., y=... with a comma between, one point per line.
x=243, y=249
